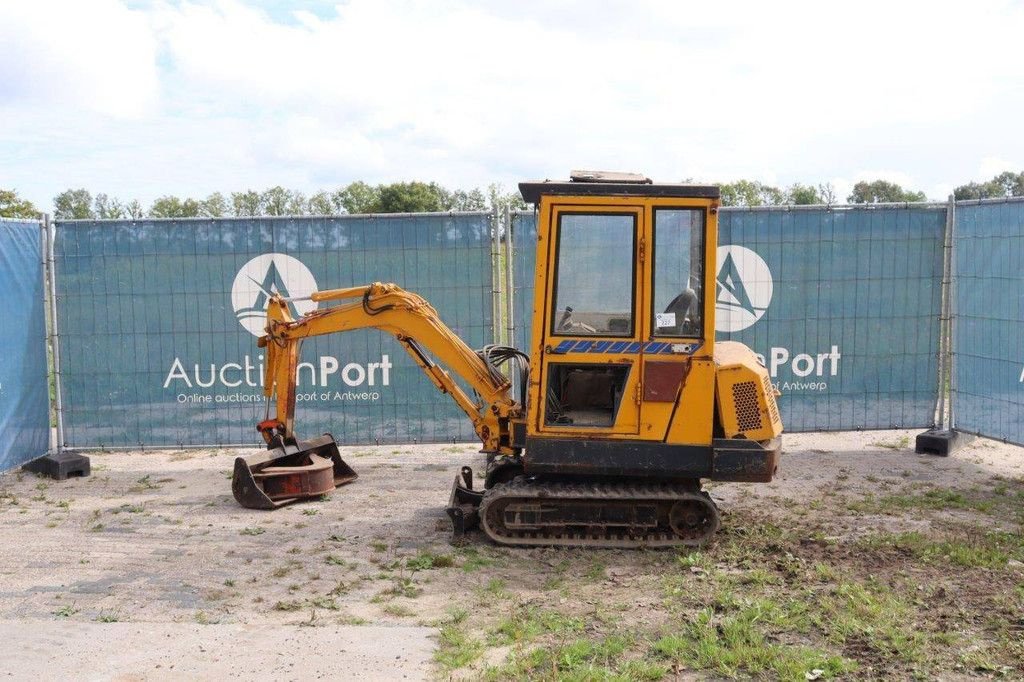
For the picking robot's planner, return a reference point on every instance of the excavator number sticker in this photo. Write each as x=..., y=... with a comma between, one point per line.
x=270, y=273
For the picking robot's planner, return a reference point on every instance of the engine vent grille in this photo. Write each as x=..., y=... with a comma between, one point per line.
x=744, y=397
x=769, y=396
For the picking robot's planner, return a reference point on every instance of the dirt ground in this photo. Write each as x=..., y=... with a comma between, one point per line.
x=861, y=560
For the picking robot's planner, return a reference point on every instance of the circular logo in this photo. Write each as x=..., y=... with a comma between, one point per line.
x=744, y=288
x=271, y=273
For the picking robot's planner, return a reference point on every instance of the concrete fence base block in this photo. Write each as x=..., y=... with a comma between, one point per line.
x=941, y=442
x=60, y=465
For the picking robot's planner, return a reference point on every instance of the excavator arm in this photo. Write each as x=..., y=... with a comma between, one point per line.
x=286, y=472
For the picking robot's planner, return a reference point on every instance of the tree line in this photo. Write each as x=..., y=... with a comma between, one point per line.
x=420, y=197
x=356, y=197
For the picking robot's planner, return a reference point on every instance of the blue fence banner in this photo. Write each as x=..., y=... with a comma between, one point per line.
x=841, y=303
x=159, y=319
x=987, y=390
x=24, y=399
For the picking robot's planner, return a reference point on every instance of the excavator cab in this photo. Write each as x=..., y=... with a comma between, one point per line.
x=627, y=401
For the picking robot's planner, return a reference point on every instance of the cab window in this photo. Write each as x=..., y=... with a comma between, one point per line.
x=678, y=272
x=595, y=275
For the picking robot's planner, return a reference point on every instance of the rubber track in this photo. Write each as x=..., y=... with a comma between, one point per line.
x=549, y=492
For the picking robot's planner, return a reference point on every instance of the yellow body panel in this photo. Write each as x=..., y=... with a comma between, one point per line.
x=746, y=399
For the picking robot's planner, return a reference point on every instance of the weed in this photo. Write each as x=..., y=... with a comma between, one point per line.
x=896, y=444
x=144, y=484
x=528, y=623
x=253, y=530
x=203, y=619
x=495, y=587
x=334, y=560
x=457, y=649
x=379, y=546
x=424, y=561
x=473, y=560
x=107, y=618
x=66, y=611
x=327, y=603
x=229, y=583
x=596, y=570
x=290, y=605
x=397, y=610
x=310, y=512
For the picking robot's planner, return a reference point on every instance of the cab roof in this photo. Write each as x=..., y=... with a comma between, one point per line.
x=605, y=183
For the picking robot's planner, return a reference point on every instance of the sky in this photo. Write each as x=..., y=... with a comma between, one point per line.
x=142, y=99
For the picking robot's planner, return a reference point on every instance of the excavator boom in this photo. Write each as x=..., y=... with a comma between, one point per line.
x=292, y=469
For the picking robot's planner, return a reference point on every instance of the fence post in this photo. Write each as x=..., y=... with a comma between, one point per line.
x=495, y=277
x=942, y=438
x=510, y=292
x=51, y=286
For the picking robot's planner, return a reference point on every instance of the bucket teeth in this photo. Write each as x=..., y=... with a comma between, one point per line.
x=289, y=473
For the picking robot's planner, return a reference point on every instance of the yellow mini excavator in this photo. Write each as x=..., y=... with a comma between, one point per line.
x=602, y=432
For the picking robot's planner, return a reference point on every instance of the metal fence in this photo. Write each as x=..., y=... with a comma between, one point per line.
x=841, y=302
x=847, y=306
x=987, y=393
x=158, y=321
x=24, y=404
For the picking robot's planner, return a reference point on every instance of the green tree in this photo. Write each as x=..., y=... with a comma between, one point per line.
x=173, y=207
x=246, y=203
x=357, y=197
x=280, y=201
x=499, y=199
x=412, y=197
x=214, y=206
x=803, y=195
x=133, y=209
x=882, y=191
x=107, y=208
x=13, y=206
x=473, y=200
x=320, y=204
x=73, y=204
x=1006, y=184
x=751, y=193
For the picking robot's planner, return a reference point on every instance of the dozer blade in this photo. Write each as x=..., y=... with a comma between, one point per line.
x=289, y=473
x=464, y=505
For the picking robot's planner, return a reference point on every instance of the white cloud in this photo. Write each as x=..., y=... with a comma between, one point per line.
x=97, y=56
x=226, y=95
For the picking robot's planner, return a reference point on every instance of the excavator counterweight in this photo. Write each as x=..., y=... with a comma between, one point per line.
x=601, y=433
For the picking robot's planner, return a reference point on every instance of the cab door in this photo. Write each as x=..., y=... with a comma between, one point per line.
x=677, y=367
x=589, y=311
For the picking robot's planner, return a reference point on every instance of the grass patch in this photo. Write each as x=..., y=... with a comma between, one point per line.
x=980, y=549
x=734, y=644
x=579, y=659
x=253, y=530
x=473, y=560
x=424, y=561
x=527, y=623
x=456, y=648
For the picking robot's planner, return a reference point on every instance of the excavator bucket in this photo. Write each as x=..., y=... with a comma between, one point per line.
x=290, y=472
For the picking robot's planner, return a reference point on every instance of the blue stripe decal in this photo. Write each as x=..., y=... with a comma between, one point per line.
x=600, y=346
x=653, y=347
x=667, y=350
x=633, y=348
x=582, y=346
x=618, y=346
x=564, y=347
